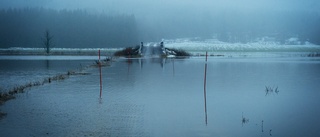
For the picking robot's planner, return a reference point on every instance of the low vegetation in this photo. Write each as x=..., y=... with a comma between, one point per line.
x=270, y=90
x=132, y=52
x=180, y=52
x=128, y=52
x=244, y=120
x=313, y=55
x=8, y=95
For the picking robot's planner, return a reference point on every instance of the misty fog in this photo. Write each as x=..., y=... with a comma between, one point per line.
x=121, y=23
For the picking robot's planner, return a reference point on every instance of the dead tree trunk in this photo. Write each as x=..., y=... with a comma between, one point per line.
x=47, y=41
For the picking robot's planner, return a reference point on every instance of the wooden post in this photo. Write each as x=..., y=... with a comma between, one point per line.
x=99, y=54
x=204, y=89
x=100, y=75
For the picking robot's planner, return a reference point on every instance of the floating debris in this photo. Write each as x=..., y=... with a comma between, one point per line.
x=101, y=63
x=244, y=120
x=270, y=90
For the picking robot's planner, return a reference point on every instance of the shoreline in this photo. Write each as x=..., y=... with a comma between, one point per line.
x=94, y=54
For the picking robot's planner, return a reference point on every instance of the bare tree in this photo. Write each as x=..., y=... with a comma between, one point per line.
x=47, y=41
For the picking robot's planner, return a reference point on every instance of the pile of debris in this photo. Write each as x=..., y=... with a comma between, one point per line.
x=158, y=50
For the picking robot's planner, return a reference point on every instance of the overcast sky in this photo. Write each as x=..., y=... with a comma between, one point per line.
x=145, y=7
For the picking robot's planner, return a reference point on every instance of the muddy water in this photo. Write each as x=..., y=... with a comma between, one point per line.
x=155, y=97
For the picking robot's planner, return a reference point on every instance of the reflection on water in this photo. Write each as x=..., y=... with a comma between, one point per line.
x=262, y=126
x=164, y=97
x=48, y=64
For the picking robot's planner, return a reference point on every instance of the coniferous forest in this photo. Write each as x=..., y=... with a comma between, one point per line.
x=81, y=29
x=77, y=28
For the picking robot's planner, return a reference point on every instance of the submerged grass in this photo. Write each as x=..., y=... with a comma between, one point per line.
x=8, y=95
x=244, y=120
x=269, y=90
x=313, y=55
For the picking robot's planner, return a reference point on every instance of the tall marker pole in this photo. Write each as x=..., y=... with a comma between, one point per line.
x=204, y=89
x=99, y=54
x=100, y=75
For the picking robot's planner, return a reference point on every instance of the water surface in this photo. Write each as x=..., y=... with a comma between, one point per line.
x=164, y=97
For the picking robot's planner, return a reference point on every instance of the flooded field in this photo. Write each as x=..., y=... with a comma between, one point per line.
x=20, y=70
x=246, y=96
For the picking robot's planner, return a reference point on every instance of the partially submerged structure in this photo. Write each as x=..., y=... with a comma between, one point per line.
x=155, y=50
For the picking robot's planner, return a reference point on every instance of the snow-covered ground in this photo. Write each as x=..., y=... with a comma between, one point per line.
x=260, y=47
x=57, y=51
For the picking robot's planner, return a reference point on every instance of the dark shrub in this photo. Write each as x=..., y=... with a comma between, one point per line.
x=128, y=52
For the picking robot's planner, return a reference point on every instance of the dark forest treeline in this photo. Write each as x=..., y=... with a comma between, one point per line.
x=77, y=28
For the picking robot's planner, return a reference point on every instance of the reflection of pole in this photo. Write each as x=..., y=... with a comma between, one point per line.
x=128, y=66
x=204, y=89
x=262, y=125
x=47, y=64
x=100, y=76
x=173, y=66
x=129, y=61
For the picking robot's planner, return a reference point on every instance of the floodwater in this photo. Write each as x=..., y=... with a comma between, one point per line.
x=165, y=97
x=21, y=70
